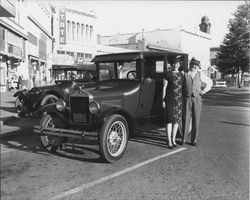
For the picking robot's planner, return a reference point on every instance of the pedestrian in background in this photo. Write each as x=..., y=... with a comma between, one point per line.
x=173, y=103
x=19, y=82
x=193, y=99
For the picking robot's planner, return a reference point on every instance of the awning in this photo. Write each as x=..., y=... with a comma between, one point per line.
x=36, y=58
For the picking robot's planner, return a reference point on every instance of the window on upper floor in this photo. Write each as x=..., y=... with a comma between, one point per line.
x=78, y=32
x=68, y=29
x=73, y=31
x=87, y=33
x=82, y=32
x=91, y=33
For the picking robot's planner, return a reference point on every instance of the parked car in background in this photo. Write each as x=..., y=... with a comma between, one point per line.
x=125, y=98
x=220, y=83
x=65, y=78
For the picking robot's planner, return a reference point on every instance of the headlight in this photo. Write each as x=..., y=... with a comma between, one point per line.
x=94, y=107
x=66, y=91
x=60, y=105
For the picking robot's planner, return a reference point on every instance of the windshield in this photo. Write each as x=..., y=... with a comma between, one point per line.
x=125, y=70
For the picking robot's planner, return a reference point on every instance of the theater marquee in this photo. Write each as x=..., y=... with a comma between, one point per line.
x=62, y=26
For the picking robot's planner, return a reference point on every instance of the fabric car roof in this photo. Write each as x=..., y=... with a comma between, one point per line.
x=132, y=55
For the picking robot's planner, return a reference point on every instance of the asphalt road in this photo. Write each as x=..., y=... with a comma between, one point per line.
x=218, y=169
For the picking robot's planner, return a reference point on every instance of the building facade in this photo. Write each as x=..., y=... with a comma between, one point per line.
x=13, y=37
x=26, y=45
x=75, y=36
x=213, y=71
x=40, y=40
x=195, y=43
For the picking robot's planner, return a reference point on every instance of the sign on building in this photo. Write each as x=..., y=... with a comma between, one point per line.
x=62, y=25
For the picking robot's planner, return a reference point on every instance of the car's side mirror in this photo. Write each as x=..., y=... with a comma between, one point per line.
x=147, y=80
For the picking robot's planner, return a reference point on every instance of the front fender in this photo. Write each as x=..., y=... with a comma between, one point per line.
x=51, y=110
x=21, y=93
x=102, y=117
x=48, y=108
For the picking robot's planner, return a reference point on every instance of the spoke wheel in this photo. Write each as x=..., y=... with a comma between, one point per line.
x=49, y=99
x=19, y=104
x=49, y=142
x=113, y=138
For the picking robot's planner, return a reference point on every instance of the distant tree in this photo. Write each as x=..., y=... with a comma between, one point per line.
x=233, y=57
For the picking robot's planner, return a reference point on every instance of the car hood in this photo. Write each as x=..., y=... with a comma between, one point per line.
x=110, y=88
x=59, y=86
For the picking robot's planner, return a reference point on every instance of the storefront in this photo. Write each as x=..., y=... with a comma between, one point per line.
x=12, y=54
x=37, y=56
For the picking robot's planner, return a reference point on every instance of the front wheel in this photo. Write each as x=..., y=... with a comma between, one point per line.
x=49, y=142
x=19, y=105
x=113, y=138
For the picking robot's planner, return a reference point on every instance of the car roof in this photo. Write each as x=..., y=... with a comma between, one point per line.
x=134, y=55
x=90, y=66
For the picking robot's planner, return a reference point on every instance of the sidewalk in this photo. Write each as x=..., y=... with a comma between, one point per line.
x=10, y=122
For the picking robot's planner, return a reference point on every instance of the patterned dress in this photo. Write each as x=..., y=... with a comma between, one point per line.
x=174, y=98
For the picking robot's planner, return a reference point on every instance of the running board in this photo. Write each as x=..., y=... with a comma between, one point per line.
x=63, y=132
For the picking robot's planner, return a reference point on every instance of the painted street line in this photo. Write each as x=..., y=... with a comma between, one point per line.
x=101, y=180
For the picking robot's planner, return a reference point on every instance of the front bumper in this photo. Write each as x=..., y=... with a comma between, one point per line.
x=63, y=132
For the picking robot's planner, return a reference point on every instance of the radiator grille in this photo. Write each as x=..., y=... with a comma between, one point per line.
x=79, y=107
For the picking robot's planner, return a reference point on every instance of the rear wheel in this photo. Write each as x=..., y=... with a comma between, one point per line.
x=49, y=142
x=113, y=138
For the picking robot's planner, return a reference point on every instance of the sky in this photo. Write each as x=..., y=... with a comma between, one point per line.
x=133, y=16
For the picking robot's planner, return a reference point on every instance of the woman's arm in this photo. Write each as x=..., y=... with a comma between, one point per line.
x=165, y=84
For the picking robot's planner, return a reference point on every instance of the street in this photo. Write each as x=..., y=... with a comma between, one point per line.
x=218, y=169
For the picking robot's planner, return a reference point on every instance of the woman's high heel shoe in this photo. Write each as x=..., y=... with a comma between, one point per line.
x=174, y=144
x=170, y=146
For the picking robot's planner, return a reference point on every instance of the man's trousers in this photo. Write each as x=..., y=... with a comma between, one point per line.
x=192, y=113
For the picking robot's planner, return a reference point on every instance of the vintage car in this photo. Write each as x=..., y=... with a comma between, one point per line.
x=115, y=106
x=30, y=102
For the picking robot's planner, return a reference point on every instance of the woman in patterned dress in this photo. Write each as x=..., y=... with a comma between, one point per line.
x=173, y=102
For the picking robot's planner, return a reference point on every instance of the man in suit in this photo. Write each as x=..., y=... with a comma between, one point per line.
x=193, y=101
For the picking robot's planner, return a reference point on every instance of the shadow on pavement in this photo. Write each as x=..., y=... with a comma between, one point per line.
x=153, y=136
x=25, y=139
x=237, y=124
x=8, y=109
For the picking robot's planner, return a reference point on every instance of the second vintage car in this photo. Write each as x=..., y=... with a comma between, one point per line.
x=65, y=78
x=128, y=97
